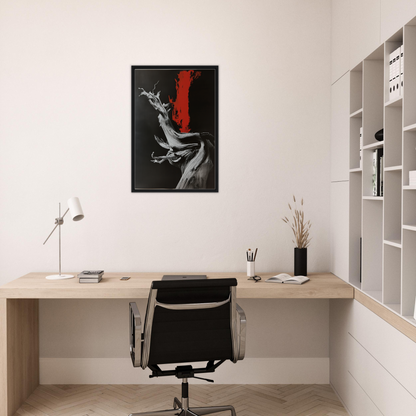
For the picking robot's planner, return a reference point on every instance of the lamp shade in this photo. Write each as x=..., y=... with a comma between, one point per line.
x=75, y=209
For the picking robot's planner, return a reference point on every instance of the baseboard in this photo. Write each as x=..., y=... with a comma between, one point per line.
x=248, y=371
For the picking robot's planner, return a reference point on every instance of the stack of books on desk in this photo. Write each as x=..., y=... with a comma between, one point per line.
x=91, y=276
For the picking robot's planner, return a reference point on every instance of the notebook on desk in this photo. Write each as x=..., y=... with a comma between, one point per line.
x=184, y=276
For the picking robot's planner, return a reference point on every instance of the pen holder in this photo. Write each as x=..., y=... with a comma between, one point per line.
x=251, y=268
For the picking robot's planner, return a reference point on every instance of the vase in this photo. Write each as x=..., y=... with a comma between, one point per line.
x=301, y=261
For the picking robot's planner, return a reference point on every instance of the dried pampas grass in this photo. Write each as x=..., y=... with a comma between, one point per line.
x=299, y=227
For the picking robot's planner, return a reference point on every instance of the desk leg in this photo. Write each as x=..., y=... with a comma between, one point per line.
x=19, y=352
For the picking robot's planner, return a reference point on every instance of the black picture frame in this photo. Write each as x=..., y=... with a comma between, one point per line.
x=174, y=145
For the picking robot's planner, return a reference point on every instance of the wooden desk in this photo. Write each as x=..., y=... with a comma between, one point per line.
x=19, y=315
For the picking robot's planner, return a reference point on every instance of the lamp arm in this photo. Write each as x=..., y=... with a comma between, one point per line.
x=58, y=221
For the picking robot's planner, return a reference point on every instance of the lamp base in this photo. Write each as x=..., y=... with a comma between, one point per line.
x=59, y=276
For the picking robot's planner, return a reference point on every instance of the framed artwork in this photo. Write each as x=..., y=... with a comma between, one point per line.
x=174, y=128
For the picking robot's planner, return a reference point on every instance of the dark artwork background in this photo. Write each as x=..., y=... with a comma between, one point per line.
x=149, y=176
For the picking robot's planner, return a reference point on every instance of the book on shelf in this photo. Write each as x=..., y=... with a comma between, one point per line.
x=394, y=74
x=377, y=173
x=374, y=173
x=287, y=278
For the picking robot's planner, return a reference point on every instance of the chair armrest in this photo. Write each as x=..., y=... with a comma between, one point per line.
x=135, y=335
x=241, y=331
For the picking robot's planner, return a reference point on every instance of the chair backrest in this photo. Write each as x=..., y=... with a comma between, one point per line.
x=190, y=321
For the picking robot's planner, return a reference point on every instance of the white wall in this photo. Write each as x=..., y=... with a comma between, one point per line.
x=65, y=131
x=360, y=26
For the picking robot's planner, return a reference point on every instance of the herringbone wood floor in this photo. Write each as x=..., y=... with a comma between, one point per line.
x=121, y=400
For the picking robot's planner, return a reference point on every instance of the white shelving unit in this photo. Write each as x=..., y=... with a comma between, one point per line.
x=384, y=227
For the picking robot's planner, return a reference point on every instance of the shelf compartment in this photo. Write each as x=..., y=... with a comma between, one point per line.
x=373, y=105
x=392, y=205
x=409, y=155
x=367, y=157
x=409, y=273
x=356, y=88
x=409, y=208
x=355, y=125
x=355, y=215
x=392, y=275
x=372, y=246
x=393, y=131
x=409, y=109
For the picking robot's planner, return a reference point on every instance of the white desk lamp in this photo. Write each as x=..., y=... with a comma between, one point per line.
x=74, y=208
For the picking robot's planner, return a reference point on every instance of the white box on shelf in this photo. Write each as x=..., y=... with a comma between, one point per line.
x=412, y=177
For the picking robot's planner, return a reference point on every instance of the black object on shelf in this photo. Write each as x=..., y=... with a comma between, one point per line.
x=379, y=135
x=377, y=174
x=301, y=261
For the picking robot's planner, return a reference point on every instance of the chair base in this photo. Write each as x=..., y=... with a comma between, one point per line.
x=179, y=410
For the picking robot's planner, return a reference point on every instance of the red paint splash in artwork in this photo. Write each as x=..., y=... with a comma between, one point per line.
x=180, y=113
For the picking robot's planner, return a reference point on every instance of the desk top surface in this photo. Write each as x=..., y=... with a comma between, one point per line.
x=35, y=286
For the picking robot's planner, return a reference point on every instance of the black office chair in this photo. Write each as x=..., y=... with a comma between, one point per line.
x=188, y=321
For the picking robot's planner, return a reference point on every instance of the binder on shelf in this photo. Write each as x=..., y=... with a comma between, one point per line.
x=391, y=57
x=374, y=176
x=394, y=74
x=401, y=69
x=397, y=77
x=397, y=72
